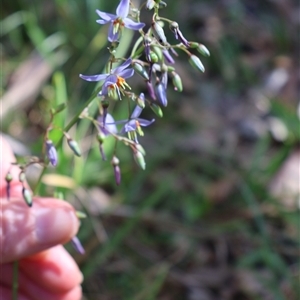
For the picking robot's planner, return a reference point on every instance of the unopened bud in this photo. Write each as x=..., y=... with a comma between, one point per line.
x=74, y=147
x=22, y=176
x=8, y=179
x=141, y=100
x=139, y=159
x=158, y=52
x=153, y=57
x=196, y=63
x=117, y=171
x=161, y=94
x=140, y=148
x=203, y=50
x=177, y=82
x=51, y=152
x=159, y=33
x=77, y=245
x=156, y=109
x=27, y=196
x=150, y=4
x=140, y=70
x=80, y=214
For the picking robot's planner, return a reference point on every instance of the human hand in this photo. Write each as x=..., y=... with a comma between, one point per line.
x=33, y=235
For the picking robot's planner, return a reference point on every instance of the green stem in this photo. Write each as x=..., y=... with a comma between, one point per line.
x=15, y=283
x=66, y=129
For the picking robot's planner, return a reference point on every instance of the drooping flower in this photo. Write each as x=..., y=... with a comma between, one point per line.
x=51, y=152
x=107, y=125
x=118, y=21
x=178, y=34
x=115, y=81
x=134, y=124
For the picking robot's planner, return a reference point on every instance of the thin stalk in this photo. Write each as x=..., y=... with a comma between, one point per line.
x=15, y=283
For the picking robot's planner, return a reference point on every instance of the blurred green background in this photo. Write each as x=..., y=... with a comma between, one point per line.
x=216, y=213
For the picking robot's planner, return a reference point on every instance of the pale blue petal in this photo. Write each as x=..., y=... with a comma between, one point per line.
x=122, y=66
x=136, y=112
x=112, y=37
x=144, y=122
x=123, y=9
x=126, y=73
x=128, y=23
x=105, y=16
x=109, y=126
x=93, y=77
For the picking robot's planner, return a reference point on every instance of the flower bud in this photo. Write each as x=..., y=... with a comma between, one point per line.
x=117, y=171
x=77, y=245
x=140, y=70
x=74, y=147
x=8, y=179
x=177, y=82
x=140, y=148
x=196, y=63
x=168, y=56
x=141, y=100
x=153, y=58
x=203, y=50
x=22, y=176
x=158, y=52
x=27, y=196
x=139, y=159
x=159, y=33
x=51, y=153
x=161, y=94
x=80, y=214
x=150, y=4
x=156, y=109
x=151, y=90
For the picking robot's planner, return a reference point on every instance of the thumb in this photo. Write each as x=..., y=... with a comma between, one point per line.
x=25, y=231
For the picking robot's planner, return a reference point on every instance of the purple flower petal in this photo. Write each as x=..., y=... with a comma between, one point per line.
x=144, y=122
x=129, y=126
x=97, y=77
x=109, y=126
x=168, y=56
x=123, y=9
x=112, y=37
x=126, y=73
x=105, y=16
x=136, y=112
x=130, y=24
x=123, y=66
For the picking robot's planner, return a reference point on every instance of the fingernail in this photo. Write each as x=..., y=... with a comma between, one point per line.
x=55, y=225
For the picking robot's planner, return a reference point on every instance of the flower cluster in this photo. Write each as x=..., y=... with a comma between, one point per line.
x=152, y=58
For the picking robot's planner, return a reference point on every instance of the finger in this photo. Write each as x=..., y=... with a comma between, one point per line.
x=30, y=289
x=54, y=270
x=26, y=231
x=6, y=159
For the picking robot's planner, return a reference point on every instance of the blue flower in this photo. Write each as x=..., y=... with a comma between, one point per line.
x=107, y=125
x=113, y=81
x=134, y=123
x=118, y=21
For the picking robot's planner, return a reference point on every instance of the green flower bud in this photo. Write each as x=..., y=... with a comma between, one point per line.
x=101, y=137
x=22, y=176
x=194, y=45
x=157, y=110
x=140, y=148
x=140, y=70
x=80, y=214
x=8, y=177
x=159, y=33
x=139, y=159
x=158, y=52
x=203, y=50
x=177, y=82
x=74, y=147
x=196, y=63
x=27, y=196
x=153, y=57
